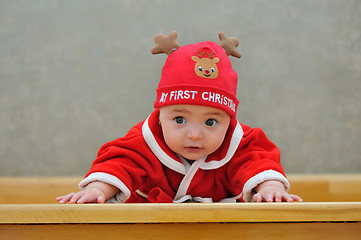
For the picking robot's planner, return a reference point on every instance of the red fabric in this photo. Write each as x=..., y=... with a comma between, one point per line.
x=131, y=160
x=157, y=195
x=180, y=83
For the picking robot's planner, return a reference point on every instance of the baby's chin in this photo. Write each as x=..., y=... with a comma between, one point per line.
x=192, y=158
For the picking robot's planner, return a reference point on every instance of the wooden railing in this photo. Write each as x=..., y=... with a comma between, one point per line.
x=332, y=210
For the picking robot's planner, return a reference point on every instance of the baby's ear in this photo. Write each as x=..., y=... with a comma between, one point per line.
x=215, y=60
x=195, y=58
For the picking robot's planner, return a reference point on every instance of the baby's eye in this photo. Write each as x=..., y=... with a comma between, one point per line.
x=211, y=122
x=200, y=68
x=179, y=120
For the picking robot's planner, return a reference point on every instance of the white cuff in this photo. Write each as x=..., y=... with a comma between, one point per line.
x=121, y=196
x=260, y=178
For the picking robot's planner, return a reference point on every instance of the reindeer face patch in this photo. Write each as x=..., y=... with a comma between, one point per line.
x=206, y=67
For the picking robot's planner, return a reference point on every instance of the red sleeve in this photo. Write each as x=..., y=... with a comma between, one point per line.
x=123, y=159
x=256, y=160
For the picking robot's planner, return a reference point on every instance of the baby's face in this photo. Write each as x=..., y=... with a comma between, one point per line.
x=193, y=131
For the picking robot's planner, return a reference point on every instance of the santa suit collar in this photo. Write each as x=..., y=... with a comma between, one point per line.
x=153, y=136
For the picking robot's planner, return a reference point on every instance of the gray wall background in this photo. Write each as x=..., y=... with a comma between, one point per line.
x=76, y=74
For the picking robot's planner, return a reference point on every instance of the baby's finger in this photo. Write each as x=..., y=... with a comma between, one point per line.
x=59, y=198
x=287, y=197
x=101, y=199
x=76, y=197
x=65, y=199
x=269, y=197
x=257, y=197
x=278, y=197
x=296, y=198
x=83, y=199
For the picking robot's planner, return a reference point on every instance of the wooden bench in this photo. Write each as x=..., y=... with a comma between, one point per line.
x=332, y=209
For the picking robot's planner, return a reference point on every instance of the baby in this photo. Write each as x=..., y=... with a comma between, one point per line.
x=191, y=148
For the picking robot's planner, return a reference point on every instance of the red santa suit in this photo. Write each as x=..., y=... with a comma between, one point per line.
x=144, y=169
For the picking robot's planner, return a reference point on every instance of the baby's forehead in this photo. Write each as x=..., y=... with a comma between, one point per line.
x=193, y=109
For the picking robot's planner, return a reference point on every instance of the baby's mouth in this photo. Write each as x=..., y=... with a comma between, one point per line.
x=193, y=149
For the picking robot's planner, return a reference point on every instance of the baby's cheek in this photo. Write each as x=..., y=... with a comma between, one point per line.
x=216, y=142
x=172, y=141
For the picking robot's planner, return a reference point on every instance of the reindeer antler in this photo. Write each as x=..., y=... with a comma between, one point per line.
x=229, y=45
x=165, y=44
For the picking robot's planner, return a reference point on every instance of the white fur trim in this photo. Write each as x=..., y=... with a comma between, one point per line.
x=183, y=199
x=121, y=196
x=235, y=140
x=193, y=199
x=202, y=200
x=141, y=193
x=228, y=200
x=158, y=152
x=260, y=178
x=186, y=181
x=186, y=164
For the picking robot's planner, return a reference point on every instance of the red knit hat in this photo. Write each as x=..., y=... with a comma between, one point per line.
x=198, y=74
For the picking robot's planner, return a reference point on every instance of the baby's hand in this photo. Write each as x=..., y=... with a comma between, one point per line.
x=95, y=192
x=84, y=196
x=273, y=191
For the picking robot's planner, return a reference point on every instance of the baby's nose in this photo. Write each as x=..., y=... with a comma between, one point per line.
x=194, y=133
